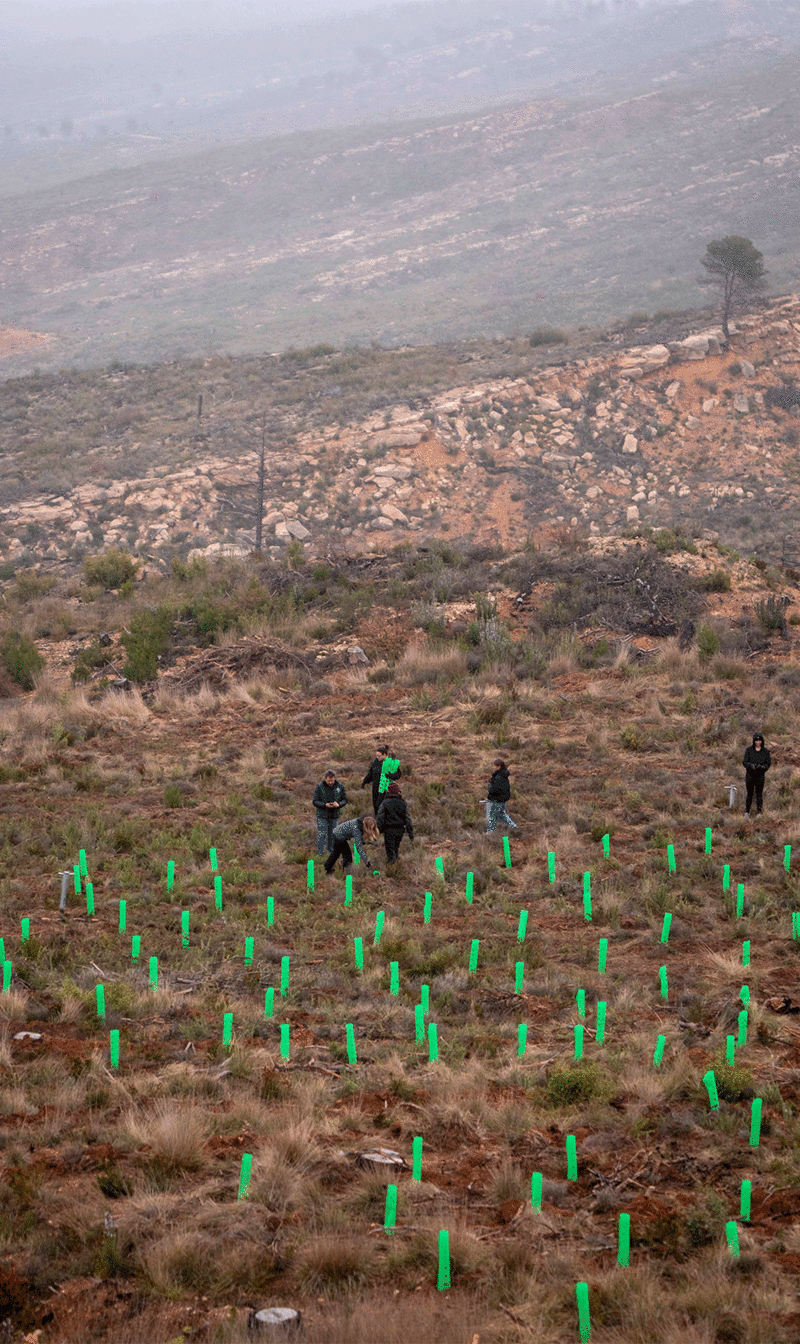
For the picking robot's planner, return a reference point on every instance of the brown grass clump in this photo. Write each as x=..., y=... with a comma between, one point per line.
x=330, y=1265
x=174, y=1135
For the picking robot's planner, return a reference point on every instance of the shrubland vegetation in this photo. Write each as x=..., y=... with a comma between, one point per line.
x=121, y=1186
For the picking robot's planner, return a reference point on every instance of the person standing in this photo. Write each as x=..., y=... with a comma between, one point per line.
x=756, y=762
x=394, y=821
x=497, y=796
x=329, y=799
x=378, y=774
x=358, y=830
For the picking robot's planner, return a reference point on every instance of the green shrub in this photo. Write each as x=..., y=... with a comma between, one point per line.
x=734, y=1082
x=771, y=614
x=574, y=1084
x=706, y=1223
x=93, y=656
x=145, y=641
x=707, y=643
x=718, y=581
x=21, y=659
x=31, y=585
x=172, y=795
x=110, y=570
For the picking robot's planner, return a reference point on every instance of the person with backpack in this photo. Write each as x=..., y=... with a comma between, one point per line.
x=380, y=774
x=394, y=821
x=329, y=799
x=756, y=762
x=358, y=830
x=497, y=796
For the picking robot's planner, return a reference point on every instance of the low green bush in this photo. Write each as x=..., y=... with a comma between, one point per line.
x=575, y=1084
x=111, y=570
x=21, y=659
x=707, y=643
x=146, y=640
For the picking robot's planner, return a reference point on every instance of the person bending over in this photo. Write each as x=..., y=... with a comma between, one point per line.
x=358, y=830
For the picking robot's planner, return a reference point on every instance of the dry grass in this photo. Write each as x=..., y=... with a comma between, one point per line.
x=166, y=1135
x=173, y=1134
x=14, y=1006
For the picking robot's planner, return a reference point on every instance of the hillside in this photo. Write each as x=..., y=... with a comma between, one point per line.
x=491, y=442
x=575, y=197
x=120, y=1200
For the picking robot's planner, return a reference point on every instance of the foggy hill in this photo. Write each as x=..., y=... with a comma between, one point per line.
x=567, y=171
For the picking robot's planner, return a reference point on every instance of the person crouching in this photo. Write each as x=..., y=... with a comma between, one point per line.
x=358, y=830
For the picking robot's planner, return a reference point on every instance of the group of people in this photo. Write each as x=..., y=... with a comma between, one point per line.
x=392, y=819
x=390, y=815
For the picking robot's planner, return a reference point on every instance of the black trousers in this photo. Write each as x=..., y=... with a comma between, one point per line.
x=341, y=850
x=754, y=779
x=391, y=840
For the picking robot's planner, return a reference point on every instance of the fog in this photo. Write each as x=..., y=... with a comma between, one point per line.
x=192, y=176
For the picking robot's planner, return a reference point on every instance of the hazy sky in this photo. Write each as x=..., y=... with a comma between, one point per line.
x=58, y=17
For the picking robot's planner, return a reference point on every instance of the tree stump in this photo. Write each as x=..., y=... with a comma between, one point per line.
x=272, y=1320
x=381, y=1162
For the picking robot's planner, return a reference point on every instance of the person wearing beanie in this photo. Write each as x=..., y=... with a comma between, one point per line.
x=394, y=821
x=328, y=801
x=377, y=773
x=756, y=762
x=497, y=796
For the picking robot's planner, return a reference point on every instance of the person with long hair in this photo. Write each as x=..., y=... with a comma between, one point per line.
x=358, y=830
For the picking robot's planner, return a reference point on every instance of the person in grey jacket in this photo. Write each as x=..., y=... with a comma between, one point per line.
x=358, y=830
x=328, y=801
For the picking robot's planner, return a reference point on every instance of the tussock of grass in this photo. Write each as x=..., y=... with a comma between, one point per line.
x=174, y=1136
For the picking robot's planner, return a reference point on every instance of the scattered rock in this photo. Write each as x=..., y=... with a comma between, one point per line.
x=630, y=444
x=407, y=437
x=297, y=530
x=741, y=404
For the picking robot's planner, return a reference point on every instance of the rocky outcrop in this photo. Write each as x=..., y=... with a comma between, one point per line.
x=608, y=442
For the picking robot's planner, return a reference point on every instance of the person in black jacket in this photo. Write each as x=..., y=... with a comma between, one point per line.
x=497, y=796
x=328, y=801
x=756, y=762
x=376, y=772
x=394, y=821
